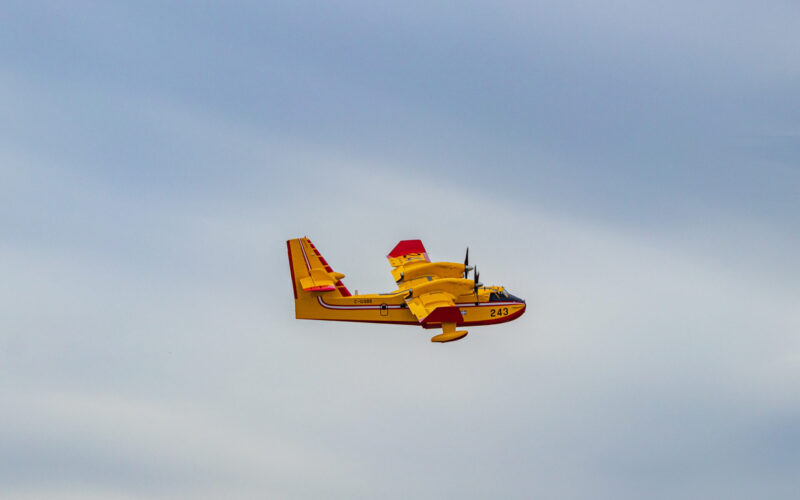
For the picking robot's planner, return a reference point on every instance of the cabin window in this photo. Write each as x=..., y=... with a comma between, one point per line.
x=504, y=296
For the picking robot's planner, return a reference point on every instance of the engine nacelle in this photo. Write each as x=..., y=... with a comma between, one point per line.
x=436, y=269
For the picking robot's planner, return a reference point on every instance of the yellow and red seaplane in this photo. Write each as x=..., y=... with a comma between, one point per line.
x=429, y=294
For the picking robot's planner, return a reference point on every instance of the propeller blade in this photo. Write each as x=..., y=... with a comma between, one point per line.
x=466, y=264
x=477, y=275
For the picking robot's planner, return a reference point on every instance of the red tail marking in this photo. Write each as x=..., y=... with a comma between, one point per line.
x=342, y=289
x=406, y=247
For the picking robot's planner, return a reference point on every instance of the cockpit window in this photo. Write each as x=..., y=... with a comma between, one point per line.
x=503, y=296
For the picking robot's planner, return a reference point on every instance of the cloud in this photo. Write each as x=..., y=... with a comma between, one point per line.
x=631, y=345
x=147, y=341
x=75, y=440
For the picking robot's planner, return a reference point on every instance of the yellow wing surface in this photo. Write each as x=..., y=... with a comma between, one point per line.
x=424, y=305
x=406, y=255
x=432, y=286
x=410, y=263
x=438, y=308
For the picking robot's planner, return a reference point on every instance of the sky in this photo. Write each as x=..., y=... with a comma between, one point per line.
x=630, y=169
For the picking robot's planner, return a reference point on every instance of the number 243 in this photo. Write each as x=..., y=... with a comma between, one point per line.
x=503, y=311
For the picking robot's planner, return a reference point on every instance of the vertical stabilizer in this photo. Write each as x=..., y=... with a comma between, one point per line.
x=311, y=273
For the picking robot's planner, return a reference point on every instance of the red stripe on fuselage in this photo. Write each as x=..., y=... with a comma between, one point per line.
x=355, y=307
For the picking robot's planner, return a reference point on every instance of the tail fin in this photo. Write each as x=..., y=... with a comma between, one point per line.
x=311, y=272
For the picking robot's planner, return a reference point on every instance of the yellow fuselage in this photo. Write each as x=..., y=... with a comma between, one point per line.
x=391, y=308
x=337, y=304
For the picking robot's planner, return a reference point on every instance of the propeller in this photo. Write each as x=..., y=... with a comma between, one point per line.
x=467, y=269
x=477, y=284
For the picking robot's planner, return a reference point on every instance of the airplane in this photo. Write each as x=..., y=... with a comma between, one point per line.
x=428, y=294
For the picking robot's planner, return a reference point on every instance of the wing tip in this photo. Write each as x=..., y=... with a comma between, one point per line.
x=406, y=247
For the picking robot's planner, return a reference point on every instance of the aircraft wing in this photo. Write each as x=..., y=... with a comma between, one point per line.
x=405, y=253
x=424, y=305
x=438, y=309
x=434, y=307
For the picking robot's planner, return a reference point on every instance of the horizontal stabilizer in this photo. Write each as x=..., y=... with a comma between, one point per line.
x=320, y=281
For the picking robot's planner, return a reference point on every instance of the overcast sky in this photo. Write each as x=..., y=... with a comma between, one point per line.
x=632, y=170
